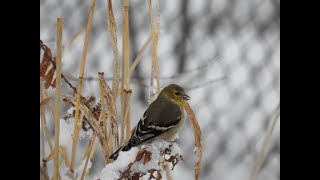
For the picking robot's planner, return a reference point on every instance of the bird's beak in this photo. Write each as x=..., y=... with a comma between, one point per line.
x=186, y=97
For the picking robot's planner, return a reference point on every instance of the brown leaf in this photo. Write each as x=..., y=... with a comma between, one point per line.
x=151, y=171
x=48, y=79
x=147, y=157
x=47, y=67
x=44, y=65
x=140, y=154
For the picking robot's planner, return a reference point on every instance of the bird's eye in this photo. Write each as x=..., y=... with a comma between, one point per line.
x=177, y=93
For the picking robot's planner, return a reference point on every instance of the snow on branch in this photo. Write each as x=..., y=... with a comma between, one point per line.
x=145, y=161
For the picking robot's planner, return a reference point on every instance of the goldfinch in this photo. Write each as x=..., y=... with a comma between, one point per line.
x=163, y=119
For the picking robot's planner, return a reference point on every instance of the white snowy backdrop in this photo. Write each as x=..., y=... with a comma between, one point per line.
x=200, y=42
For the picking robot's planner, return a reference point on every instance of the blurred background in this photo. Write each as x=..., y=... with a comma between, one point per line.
x=226, y=53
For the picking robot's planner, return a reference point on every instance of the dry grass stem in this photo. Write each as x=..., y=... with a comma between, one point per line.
x=262, y=152
x=43, y=119
x=57, y=105
x=75, y=37
x=103, y=114
x=50, y=103
x=107, y=94
x=198, y=140
x=116, y=67
x=127, y=114
x=125, y=85
x=155, y=51
x=90, y=145
x=155, y=32
x=43, y=168
x=49, y=157
x=64, y=155
x=82, y=67
x=94, y=147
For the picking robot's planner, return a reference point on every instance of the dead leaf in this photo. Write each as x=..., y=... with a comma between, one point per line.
x=147, y=157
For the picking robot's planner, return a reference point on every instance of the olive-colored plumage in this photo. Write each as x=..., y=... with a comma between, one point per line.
x=163, y=119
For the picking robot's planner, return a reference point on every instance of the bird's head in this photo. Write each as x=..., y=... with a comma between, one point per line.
x=175, y=93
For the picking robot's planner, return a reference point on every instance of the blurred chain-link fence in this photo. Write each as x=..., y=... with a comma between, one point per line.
x=200, y=43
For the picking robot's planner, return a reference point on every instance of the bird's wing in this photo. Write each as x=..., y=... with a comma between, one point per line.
x=161, y=116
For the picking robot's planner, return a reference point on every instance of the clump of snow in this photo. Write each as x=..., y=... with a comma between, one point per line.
x=113, y=170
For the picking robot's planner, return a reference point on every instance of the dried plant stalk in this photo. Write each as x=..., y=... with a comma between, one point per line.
x=90, y=145
x=43, y=117
x=111, y=109
x=122, y=121
x=64, y=155
x=103, y=114
x=125, y=85
x=44, y=170
x=155, y=51
x=262, y=152
x=116, y=68
x=82, y=66
x=127, y=114
x=50, y=103
x=50, y=156
x=57, y=105
x=42, y=137
x=75, y=37
x=198, y=139
x=155, y=32
x=96, y=141
x=94, y=147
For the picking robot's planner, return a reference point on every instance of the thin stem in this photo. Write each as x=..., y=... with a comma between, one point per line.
x=57, y=106
x=88, y=156
x=116, y=69
x=82, y=66
x=262, y=152
x=125, y=85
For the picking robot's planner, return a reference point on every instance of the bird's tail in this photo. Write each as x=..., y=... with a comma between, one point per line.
x=126, y=147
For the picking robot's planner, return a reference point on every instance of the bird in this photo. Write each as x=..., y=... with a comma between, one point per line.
x=163, y=119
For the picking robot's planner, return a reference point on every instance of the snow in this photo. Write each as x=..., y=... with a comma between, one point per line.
x=112, y=170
